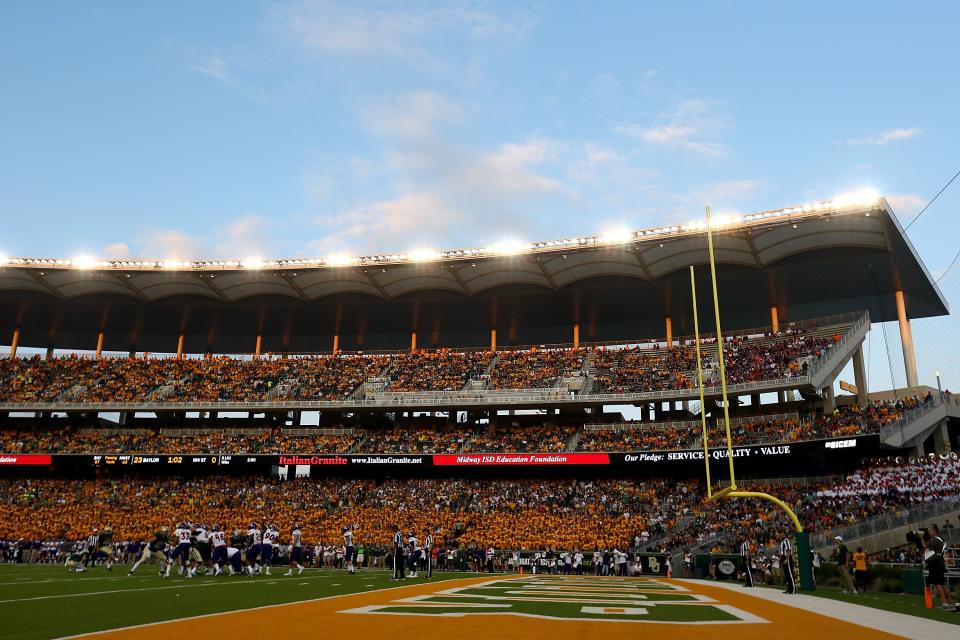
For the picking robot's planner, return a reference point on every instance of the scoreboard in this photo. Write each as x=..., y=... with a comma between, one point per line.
x=178, y=460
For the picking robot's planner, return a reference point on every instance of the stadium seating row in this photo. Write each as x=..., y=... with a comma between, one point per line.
x=515, y=513
x=75, y=379
x=846, y=421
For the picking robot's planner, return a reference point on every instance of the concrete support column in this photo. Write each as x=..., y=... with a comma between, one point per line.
x=50, y=353
x=493, y=339
x=413, y=341
x=180, y=346
x=336, y=343
x=576, y=335
x=686, y=406
x=258, y=347
x=829, y=404
x=132, y=353
x=775, y=318
x=669, y=323
x=754, y=400
x=860, y=377
x=906, y=341
x=100, y=343
x=14, y=342
x=941, y=438
x=783, y=397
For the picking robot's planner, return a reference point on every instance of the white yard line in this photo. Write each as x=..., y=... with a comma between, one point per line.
x=900, y=624
x=181, y=585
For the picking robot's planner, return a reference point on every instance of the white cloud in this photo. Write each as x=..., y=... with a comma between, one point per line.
x=170, y=244
x=388, y=224
x=411, y=115
x=886, y=137
x=117, y=251
x=693, y=125
x=246, y=236
x=332, y=27
x=213, y=65
x=906, y=204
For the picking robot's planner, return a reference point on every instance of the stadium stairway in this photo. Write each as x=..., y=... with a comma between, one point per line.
x=915, y=426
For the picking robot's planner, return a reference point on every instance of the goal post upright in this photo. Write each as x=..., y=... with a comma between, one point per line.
x=804, y=556
x=703, y=412
x=723, y=373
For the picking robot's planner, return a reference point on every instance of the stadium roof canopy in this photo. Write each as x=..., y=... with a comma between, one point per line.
x=808, y=261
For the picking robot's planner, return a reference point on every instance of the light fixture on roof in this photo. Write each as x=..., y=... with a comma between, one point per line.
x=616, y=235
x=510, y=247
x=422, y=255
x=340, y=260
x=856, y=197
x=252, y=263
x=3, y=259
x=84, y=262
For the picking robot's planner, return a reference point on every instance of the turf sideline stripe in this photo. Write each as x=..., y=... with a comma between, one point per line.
x=232, y=611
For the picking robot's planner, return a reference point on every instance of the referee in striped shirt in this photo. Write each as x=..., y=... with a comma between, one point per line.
x=745, y=554
x=786, y=561
x=428, y=551
x=397, y=554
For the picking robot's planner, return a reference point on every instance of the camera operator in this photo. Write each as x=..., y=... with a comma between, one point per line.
x=937, y=566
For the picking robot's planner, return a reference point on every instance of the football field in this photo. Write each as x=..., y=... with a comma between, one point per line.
x=38, y=603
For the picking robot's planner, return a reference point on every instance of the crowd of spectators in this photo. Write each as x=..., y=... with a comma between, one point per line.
x=536, y=368
x=442, y=370
x=849, y=420
x=639, y=439
x=638, y=370
x=75, y=379
x=224, y=379
x=96, y=441
x=512, y=439
x=922, y=482
x=505, y=513
x=785, y=355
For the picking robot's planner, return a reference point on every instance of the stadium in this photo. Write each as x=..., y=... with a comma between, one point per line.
x=474, y=396
x=485, y=319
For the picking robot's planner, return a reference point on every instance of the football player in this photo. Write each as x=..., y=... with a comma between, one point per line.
x=254, y=538
x=296, y=550
x=156, y=551
x=349, y=549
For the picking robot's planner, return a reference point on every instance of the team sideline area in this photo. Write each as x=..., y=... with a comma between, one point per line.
x=38, y=603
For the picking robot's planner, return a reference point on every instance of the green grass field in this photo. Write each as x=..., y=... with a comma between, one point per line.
x=909, y=604
x=45, y=602
x=41, y=602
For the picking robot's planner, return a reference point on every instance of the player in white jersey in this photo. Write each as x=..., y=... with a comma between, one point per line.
x=218, y=539
x=349, y=551
x=183, y=541
x=200, y=554
x=578, y=563
x=296, y=550
x=271, y=538
x=254, y=539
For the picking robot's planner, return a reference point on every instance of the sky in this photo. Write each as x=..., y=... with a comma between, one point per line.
x=237, y=129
